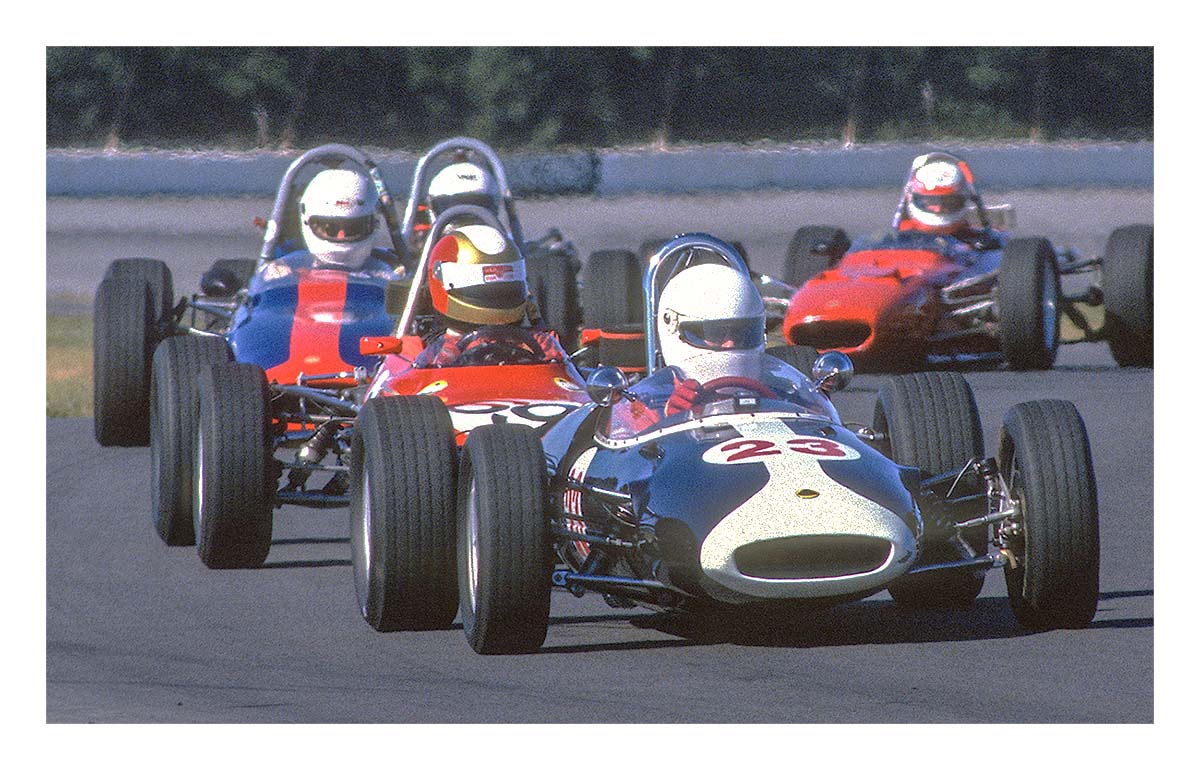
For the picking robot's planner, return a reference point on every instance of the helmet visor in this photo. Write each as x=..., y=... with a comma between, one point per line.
x=342, y=229
x=944, y=205
x=723, y=333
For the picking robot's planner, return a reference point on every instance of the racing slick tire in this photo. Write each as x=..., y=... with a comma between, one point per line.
x=173, y=414
x=124, y=333
x=1047, y=461
x=233, y=489
x=931, y=421
x=553, y=281
x=155, y=273
x=1027, y=294
x=1128, y=285
x=402, y=494
x=799, y=357
x=612, y=290
x=242, y=270
x=812, y=250
x=503, y=541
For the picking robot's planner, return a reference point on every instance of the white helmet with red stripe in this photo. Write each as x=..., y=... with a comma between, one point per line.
x=711, y=323
x=939, y=194
x=337, y=218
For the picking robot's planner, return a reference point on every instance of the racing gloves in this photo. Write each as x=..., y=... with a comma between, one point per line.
x=684, y=398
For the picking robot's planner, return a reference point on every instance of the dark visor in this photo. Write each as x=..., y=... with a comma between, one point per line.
x=723, y=334
x=342, y=229
x=940, y=204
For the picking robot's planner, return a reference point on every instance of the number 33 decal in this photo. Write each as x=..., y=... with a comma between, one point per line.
x=757, y=450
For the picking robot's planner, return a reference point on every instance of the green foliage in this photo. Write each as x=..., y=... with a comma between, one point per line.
x=523, y=97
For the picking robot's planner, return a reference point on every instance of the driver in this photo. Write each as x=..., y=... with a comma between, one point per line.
x=476, y=279
x=458, y=184
x=337, y=222
x=938, y=197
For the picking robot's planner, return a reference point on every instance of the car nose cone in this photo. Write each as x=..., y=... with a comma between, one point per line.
x=781, y=544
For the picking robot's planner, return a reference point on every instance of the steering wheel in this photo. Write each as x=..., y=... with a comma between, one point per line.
x=516, y=345
x=744, y=383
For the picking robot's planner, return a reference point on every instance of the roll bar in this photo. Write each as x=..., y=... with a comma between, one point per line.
x=414, y=289
x=326, y=152
x=678, y=252
x=421, y=184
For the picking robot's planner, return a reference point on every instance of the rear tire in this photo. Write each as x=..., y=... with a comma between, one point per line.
x=1128, y=284
x=932, y=423
x=503, y=541
x=1047, y=460
x=812, y=250
x=553, y=280
x=235, y=473
x=174, y=402
x=402, y=488
x=612, y=290
x=1027, y=293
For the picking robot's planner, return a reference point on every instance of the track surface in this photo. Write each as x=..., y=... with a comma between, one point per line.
x=140, y=632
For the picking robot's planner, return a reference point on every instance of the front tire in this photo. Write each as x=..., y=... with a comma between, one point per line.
x=1046, y=459
x=402, y=487
x=813, y=249
x=123, y=338
x=235, y=476
x=503, y=541
x=1027, y=293
x=932, y=422
x=1128, y=284
x=174, y=402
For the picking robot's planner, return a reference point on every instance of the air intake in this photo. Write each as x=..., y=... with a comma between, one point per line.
x=810, y=557
x=825, y=335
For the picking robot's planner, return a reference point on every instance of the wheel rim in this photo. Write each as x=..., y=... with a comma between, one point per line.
x=473, y=548
x=1049, y=306
x=362, y=534
x=1022, y=546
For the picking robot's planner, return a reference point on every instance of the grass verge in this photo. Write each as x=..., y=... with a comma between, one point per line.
x=68, y=366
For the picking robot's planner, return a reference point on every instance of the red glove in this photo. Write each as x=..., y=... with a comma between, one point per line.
x=687, y=393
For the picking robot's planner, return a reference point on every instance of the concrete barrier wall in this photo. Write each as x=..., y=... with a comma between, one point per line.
x=617, y=172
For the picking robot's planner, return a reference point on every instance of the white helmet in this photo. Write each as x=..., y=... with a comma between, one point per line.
x=711, y=323
x=462, y=184
x=337, y=217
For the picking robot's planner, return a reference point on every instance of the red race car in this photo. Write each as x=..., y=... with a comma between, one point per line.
x=947, y=283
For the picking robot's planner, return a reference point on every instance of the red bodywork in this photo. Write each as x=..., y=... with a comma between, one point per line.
x=529, y=394
x=879, y=307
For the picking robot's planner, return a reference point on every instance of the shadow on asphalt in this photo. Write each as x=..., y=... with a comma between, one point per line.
x=309, y=540
x=307, y=563
x=877, y=622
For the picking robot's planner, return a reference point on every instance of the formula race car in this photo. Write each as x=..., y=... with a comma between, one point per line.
x=244, y=419
x=759, y=496
x=908, y=298
x=466, y=171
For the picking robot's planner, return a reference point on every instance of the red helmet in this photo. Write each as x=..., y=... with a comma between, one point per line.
x=939, y=194
x=477, y=276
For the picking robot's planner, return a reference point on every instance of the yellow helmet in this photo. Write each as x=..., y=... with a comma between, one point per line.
x=477, y=276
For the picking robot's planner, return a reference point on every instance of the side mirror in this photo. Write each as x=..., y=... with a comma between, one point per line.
x=605, y=385
x=832, y=371
x=379, y=346
x=220, y=282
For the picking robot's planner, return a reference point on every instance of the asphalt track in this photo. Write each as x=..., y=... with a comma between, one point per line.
x=138, y=632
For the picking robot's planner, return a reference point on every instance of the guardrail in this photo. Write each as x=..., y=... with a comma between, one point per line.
x=623, y=172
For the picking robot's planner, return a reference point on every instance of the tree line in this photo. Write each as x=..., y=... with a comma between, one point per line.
x=280, y=98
